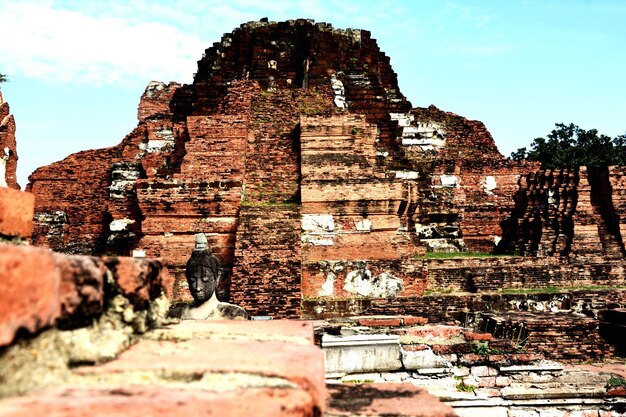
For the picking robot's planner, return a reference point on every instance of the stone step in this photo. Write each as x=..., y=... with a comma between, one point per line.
x=530, y=391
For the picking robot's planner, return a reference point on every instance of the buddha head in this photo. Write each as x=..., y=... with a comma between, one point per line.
x=202, y=271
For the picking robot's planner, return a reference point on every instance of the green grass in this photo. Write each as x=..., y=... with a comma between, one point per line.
x=616, y=381
x=463, y=387
x=482, y=349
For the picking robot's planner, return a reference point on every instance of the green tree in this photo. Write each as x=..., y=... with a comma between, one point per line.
x=619, y=149
x=3, y=78
x=570, y=146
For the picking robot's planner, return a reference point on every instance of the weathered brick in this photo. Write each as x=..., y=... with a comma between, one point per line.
x=29, y=284
x=380, y=322
x=16, y=213
x=395, y=399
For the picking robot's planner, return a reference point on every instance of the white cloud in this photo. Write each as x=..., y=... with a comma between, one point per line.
x=62, y=45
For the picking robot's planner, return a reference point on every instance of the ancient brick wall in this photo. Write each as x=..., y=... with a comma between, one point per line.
x=617, y=178
x=301, y=113
x=355, y=230
x=569, y=212
x=494, y=274
x=16, y=215
x=273, y=150
x=560, y=336
x=266, y=275
x=8, y=147
x=204, y=196
x=467, y=142
x=71, y=199
x=488, y=198
x=451, y=308
x=465, y=185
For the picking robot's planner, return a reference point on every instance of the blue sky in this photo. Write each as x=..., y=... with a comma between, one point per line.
x=77, y=68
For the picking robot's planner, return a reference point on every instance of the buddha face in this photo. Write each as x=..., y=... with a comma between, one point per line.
x=201, y=282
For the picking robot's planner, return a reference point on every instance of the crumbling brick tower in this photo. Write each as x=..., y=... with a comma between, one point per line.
x=296, y=153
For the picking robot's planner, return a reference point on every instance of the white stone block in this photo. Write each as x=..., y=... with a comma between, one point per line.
x=413, y=360
x=364, y=225
x=449, y=181
x=361, y=353
x=407, y=175
x=490, y=184
x=317, y=223
x=120, y=225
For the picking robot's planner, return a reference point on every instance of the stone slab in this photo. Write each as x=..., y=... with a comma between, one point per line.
x=361, y=353
x=543, y=366
x=291, y=331
x=299, y=365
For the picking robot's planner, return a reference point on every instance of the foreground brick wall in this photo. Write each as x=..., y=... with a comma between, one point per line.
x=41, y=289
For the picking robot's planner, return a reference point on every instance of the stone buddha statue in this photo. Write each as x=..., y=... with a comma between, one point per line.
x=203, y=274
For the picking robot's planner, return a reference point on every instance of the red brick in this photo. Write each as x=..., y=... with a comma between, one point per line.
x=392, y=399
x=415, y=348
x=413, y=320
x=140, y=279
x=435, y=332
x=29, y=284
x=380, y=322
x=617, y=391
x=81, y=289
x=470, y=336
x=16, y=212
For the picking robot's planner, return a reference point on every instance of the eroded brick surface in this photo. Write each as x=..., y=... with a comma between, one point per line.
x=42, y=288
x=16, y=213
x=30, y=288
x=200, y=367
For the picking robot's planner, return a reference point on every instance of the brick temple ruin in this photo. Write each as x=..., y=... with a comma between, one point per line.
x=324, y=193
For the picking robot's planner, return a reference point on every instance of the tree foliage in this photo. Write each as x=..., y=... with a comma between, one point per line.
x=570, y=146
x=3, y=78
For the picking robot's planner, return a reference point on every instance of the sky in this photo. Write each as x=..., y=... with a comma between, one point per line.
x=77, y=68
